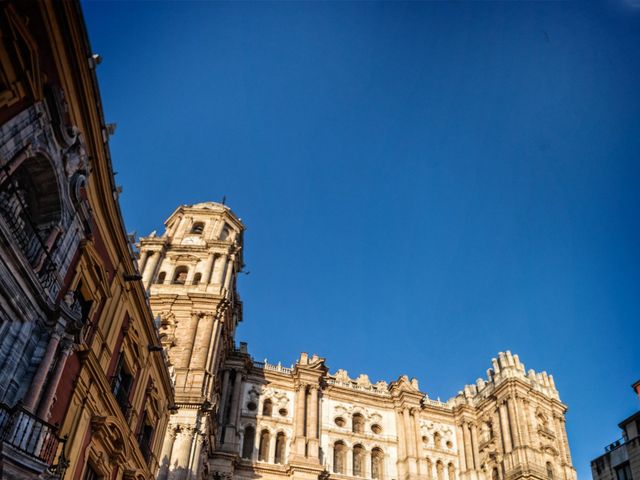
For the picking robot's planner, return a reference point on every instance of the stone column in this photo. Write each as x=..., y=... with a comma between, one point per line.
x=367, y=463
x=174, y=227
x=202, y=341
x=182, y=227
x=410, y=442
x=180, y=454
x=522, y=421
x=301, y=400
x=224, y=396
x=313, y=450
x=408, y=436
x=188, y=348
x=165, y=456
x=256, y=445
x=474, y=445
x=208, y=268
x=402, y=452
x=312, y=426
x=558, y=430
x=565, y=441
x=527, y=422
x=143, y=260
x=214, y=347
x=513, y=423
x=460, y=442
x=37, y=383
x=150, y=268
x=169, y=267
x=190, y=274
x=207, y=343
x=504, y=428
x=230, y=438
x=237, y=385
x=52, y=387
x=228, y=275
x=468, y=449
x=497, y=431
x=272, y=448
x=349, y=465
x=196, y=449
x=218, y=269
x=533, y=421
x=418, y=439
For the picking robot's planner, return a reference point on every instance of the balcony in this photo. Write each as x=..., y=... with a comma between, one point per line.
x=28, y=443
x=29, y=240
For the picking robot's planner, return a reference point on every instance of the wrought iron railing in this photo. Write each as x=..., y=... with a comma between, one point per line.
x=27, y=237
x=28, y=434
x=613, y=445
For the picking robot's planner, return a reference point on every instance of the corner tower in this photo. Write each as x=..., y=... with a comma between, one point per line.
x=190, y=273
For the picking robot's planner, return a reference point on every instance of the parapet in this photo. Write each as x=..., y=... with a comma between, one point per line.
x=507, y=366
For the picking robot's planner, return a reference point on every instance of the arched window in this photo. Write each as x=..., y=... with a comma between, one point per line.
x=358, y=423
x=437, y=441
x=161, y=277
x=429, y=469
x=339, y=457
x=358, y=461
x=180, y=275
x=267, y=408
x=263, y=451
x=196, y=278
x=451, y=470
x=280, y=446
x=549, y=471
x=439, y=470
x=495, y=475
x=197, y=228
x=377, y=464
x=31, y=206
x=225, y=233
x=248, y=442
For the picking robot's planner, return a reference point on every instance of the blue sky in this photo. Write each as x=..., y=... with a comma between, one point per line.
x=423, y=184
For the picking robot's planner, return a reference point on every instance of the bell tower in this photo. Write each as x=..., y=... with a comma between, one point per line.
x=190, y=274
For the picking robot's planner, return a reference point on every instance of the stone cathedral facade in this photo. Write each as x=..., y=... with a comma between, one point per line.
x=238, y=418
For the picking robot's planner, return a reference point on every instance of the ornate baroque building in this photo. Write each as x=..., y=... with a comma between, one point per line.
x=243, y=419
x=87, y=377
x=190, y=273
x=84, y=388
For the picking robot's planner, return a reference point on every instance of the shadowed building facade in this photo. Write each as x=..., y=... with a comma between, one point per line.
x=243, y=419
x=621, y=460
x=82, y=396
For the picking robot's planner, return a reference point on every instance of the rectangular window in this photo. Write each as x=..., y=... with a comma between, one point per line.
x=90, y=473
x=623, y=472
x=121, y=386
x=145, y=437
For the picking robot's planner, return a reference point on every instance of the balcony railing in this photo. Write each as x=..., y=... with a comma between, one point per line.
x=612, y=446
x=28, y=239
x=28, y=434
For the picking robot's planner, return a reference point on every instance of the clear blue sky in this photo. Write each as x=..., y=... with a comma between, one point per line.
x=423, y=184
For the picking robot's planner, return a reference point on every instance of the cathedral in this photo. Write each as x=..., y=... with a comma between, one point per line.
x=239, y=418
x=122, y=363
